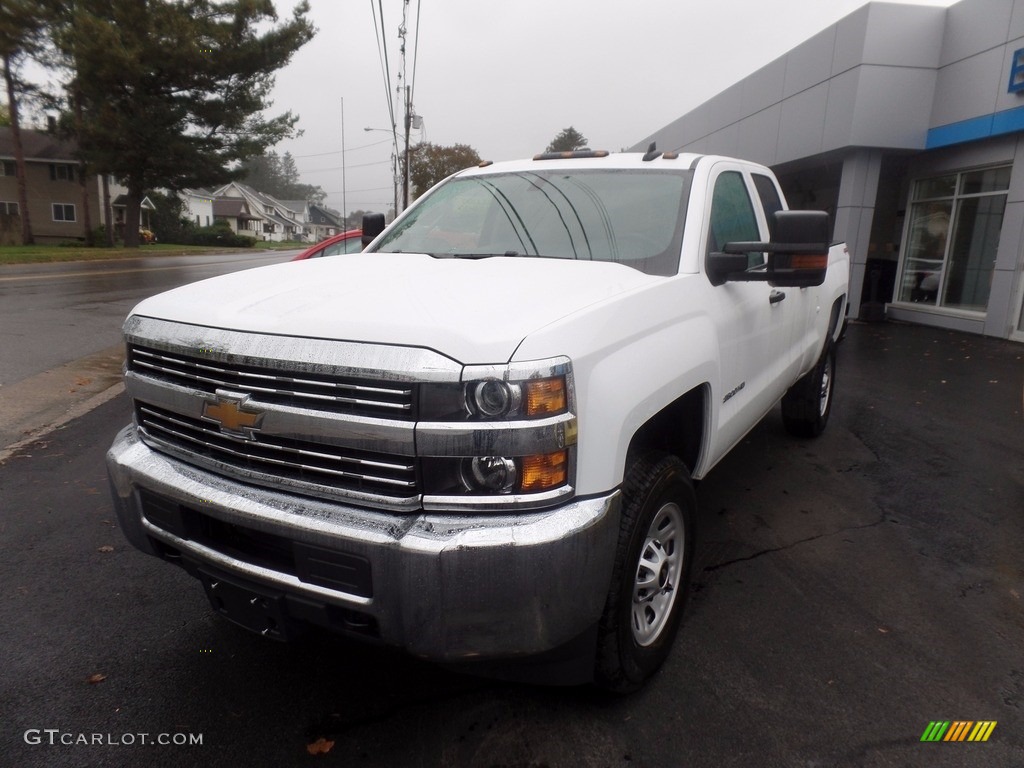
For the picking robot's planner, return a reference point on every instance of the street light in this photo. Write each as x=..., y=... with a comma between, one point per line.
x=411, y=121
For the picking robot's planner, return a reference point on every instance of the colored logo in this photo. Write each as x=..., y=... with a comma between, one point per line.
x=1017, y=72
x=958, y=730
x=229, y=411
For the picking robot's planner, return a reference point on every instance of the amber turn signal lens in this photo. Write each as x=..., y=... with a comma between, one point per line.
x=810, y=261
x=541, y=473
x=545, y=397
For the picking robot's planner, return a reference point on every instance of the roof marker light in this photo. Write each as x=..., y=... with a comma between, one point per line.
x=573, y=155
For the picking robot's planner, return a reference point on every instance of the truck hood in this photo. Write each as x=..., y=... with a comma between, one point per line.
x=472, y=310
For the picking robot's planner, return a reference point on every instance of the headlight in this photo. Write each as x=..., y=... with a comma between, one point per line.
x=524, y=474
x=500, y=393
x=489, y=474
x=511, y=444
x=493, y=399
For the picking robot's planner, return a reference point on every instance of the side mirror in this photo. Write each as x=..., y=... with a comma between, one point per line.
x=797, y=254
x=722, y=267
x=373, y=225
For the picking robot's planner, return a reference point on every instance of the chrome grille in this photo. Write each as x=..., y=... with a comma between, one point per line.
x=274, y=459
x=281, y=386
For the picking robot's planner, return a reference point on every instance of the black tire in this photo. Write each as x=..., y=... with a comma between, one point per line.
x=639, y=623
x=808, y=403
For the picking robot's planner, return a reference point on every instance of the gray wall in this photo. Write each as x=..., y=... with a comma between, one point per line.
x=977, y=46
x=868, y=80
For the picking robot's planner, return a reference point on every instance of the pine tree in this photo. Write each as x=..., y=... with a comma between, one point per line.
x=170, y=93
x=567, y=140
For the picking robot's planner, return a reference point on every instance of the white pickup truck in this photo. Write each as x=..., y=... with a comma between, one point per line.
x=476, y=440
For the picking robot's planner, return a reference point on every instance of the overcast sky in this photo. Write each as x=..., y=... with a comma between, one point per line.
x=506, y=76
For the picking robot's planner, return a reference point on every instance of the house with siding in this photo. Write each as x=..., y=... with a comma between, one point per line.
x=56, y=189
x=119, y=210
x=234, y=211
x=324, y=222
x=277, y=222
x=301, y=209
x=197, y=206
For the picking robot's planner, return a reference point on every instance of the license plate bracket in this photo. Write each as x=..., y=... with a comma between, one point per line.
x=254, y=608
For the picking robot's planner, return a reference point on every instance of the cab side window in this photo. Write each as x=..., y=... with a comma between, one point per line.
x=732, y=216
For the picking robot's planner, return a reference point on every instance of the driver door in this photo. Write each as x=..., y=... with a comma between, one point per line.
x=755, y=320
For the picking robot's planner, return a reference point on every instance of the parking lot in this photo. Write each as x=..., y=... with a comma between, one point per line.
x=848, y=591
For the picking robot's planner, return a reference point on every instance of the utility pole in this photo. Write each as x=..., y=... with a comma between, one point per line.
x=408, y=127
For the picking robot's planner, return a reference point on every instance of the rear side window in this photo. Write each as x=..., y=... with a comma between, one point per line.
x=770, y=200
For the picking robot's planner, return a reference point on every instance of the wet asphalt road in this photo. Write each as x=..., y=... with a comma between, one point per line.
x=51, y=314
x=848, y=591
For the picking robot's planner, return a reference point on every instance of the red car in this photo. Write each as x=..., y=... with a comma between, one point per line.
x=346, y=242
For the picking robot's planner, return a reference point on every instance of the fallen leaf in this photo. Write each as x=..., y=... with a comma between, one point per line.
x=97, y=678
x=105, y=548
x=320, y=747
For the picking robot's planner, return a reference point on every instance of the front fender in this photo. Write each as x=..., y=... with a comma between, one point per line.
x=631, y=358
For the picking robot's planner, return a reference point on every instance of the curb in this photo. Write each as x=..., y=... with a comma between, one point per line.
x=77, y=410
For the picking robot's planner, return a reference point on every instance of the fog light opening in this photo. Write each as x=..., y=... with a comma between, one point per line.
x=494, y=474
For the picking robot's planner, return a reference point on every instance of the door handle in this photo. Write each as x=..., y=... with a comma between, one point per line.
x=776, y=296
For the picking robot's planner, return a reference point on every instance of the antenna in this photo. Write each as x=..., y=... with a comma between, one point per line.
x=344, y=200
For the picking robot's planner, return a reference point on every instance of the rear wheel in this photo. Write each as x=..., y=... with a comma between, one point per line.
x=651, y=575
x=808, y=403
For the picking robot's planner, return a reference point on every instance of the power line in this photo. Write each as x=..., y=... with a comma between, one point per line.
x=382, y=50
x=338, y=151
x=371, y=189
x=338, y=167
x=415, y=54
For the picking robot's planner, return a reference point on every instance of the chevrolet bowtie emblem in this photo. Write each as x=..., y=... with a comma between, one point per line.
x=230, y=412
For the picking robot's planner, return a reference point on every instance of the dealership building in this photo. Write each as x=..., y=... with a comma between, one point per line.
x=905, y=123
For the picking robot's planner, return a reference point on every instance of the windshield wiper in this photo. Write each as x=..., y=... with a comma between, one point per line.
x=483, y=255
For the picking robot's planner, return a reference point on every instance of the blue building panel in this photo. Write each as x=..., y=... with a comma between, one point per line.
x=977, y=128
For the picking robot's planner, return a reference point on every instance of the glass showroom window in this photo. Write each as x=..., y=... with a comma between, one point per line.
x=952, y=238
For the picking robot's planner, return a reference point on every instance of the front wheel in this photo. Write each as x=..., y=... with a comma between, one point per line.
x=651, y=576
x=808, y=403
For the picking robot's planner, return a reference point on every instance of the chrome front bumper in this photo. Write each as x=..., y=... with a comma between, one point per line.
x=444, y=586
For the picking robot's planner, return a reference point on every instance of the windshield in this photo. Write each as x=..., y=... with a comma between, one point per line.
x=632, y=217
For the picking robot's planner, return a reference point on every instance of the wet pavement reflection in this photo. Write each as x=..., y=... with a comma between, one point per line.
x=51, y=314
